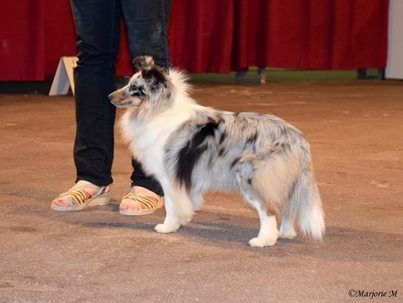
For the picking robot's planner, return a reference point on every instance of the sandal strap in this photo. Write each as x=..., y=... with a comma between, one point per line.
x=146, y=202
x=81, y=196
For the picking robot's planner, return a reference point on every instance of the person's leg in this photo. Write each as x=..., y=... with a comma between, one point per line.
x=146, y=24
x=146, y=28
x=139, y=178
x=97, y=27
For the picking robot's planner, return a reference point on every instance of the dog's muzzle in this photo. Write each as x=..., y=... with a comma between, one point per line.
x=115, y=98
x=119, y=98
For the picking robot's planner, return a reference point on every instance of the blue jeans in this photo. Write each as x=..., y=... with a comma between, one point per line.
x=97, y=24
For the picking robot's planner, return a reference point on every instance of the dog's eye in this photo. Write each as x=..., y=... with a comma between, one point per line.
x=136, y=90
x=149, y=81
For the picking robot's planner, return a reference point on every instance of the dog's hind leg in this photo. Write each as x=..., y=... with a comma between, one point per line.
x=197, y=201
x=274, y=179
x=288, y=215
x=287, y=229
x=268, y=232
x=178, y=207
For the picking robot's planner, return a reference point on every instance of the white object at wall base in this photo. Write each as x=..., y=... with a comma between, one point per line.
x=64, y=78
x=394, y=64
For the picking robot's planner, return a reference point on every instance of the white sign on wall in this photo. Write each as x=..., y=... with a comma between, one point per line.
x=394, y=64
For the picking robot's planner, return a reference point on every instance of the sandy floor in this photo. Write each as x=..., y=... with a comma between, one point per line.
x=356, y=132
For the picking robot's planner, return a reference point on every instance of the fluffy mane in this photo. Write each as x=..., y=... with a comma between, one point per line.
x=180, y=83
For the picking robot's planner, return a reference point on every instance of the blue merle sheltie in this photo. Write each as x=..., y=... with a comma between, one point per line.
x=191, y=149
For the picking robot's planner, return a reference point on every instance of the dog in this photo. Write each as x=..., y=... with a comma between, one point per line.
x=191, y=149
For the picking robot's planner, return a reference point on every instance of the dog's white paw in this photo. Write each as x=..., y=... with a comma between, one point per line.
x=289, y=234
x=261, y=242
x=184, y=221
x=197, y=203
x=166, y=228
x=287, y=231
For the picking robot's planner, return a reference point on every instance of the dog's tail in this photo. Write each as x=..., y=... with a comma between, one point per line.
x=306, y=202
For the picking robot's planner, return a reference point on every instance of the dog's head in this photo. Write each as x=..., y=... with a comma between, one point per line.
x=148, y=87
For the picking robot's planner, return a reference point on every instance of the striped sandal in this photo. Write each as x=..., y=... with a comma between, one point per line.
x=147, y=204
x=77, y=198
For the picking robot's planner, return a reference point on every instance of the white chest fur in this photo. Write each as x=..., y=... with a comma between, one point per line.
x=147, y=138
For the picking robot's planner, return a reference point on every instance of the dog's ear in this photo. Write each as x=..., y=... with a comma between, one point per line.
x=143, y=63
x=154, y=76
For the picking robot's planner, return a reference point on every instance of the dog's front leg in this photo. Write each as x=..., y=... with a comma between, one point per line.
x=178, y=207
x=171, y=222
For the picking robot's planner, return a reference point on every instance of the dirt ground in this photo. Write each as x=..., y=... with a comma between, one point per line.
x=356, y=132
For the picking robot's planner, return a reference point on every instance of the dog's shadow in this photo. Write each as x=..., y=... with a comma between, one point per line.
x=233, y=231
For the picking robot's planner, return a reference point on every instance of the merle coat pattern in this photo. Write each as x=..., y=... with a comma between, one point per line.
x=191, y=149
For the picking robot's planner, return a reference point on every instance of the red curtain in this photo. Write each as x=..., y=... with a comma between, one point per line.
x=211, y=35
x=22, y=49
x=201, y=35
x=310, y=34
